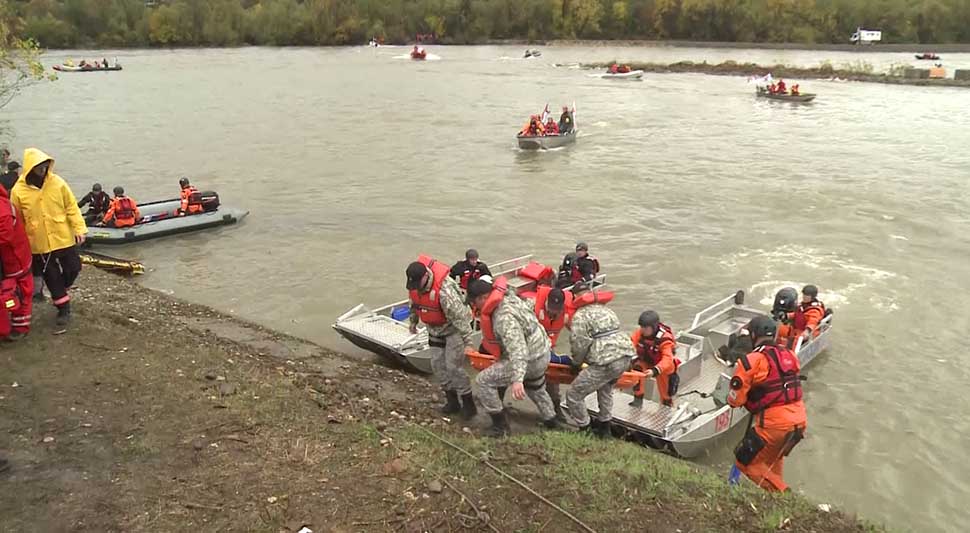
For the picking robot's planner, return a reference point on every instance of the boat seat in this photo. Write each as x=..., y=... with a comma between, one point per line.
x=719, y=334
x=520, y=284
x=690, y=349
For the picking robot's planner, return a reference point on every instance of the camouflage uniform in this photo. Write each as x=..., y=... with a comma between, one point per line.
x=524, y=358
x=447, y=343
x=596, y=339
x=551, y=388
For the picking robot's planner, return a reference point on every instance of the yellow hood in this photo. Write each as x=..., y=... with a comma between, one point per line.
x=32, y=158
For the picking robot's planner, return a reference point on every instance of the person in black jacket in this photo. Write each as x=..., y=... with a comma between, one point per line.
x=100, y=202
x=9, y=178
x=470, y=269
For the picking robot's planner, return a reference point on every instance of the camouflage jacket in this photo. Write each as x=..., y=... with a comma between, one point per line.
x=596, y=338
x=520, y=334
x=459, y=315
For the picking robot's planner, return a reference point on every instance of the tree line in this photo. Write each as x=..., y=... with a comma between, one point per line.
x=138, y=23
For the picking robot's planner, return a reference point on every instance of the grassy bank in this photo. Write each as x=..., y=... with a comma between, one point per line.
x=151, y=414
x=861, y=72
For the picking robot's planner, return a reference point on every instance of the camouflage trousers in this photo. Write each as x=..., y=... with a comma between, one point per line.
x=448, y=363
x=598, y=379
x=499, y=375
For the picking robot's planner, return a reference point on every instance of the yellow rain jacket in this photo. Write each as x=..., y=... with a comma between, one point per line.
x=50, y=213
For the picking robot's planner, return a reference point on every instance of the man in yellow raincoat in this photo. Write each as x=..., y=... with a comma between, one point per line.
x=54, y=224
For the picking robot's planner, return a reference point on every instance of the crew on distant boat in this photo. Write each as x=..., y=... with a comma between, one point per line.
x=614, y=68
x=624, y=69
x=655, y=345
x=551, y=127
x=565, y=121
x=534, y=128
x=781, y=88
x=123, y=212
x=470, y=269
x=794, y=90
x=767, y=382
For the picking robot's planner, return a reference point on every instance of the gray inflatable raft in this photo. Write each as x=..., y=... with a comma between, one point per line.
x=159, y=222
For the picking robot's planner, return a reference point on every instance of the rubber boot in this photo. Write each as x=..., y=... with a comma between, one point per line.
x=603, y=430
x=500, y=425
x=637, y=402
x=451, y=405
x=552, y=423
x=64, y=315
x=468, y=409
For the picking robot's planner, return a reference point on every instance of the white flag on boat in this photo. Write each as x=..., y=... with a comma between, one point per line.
x=545, y=115
x=763, y=80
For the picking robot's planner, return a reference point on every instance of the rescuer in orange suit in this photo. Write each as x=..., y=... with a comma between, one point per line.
x=768, y=384
x=805, y=318
x=122, y=212
x=655, y=344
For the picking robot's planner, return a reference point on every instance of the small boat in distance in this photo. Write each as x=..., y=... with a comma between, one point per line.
x=418, y=53
x=927, y=56
x=785, y=97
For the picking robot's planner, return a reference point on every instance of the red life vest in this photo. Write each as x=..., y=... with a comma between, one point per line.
x=576, y=275
x=429, y=303
x=469, y=276
x=125, y=209
x=593, y=297
x=553, y=327
x=649, y=347
x=489, y=342
x=800, y=321
x=783, y=384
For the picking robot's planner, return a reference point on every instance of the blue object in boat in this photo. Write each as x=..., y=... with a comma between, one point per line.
x=561, y=359
x=400, y=313
x=734, y=477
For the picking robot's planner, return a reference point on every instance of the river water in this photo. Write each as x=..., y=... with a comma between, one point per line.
x=687, y=188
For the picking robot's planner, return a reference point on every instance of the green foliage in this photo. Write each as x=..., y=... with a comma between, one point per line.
x=19, y=58
x=82, y=23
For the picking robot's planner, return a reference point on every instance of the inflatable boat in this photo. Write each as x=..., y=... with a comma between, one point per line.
x=385, y=330
x=67, y=68
x=158, y=220
x=419, y=54
x=632, y=75
x=700, y=413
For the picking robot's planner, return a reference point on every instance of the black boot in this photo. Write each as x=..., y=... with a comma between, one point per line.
x=603, y=430
x=501, y=394
x=468, y=409
x=500, y=425
x=64, y=315
x=552, y=423
x=451, y=406
x=560, y=414
x=637, y=402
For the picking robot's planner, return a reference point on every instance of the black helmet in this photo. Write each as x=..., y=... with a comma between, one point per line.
x=119, y=190
x=183, y=181
x=96, y=187
x=649, y=318
x=762, y=326
x=786, y=300
x=810, y=290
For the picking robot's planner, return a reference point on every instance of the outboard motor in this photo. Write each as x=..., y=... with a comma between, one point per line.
x=786, y=301
x=210, y=201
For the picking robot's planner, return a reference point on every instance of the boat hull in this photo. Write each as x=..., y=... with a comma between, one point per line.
x=545, y=142
x=64, y=68
x=799, y=98
x=165, y=226
x=632, y=75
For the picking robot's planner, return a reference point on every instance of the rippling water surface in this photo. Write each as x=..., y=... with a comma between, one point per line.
x=686, y=186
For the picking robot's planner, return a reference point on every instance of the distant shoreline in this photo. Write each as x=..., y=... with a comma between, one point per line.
x=877, y=48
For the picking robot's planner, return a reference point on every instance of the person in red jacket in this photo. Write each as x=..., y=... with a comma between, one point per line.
x=16, y=282
x=768, y=383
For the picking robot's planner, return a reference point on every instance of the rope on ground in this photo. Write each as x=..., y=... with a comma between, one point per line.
x=509, y=477
x=479, y=514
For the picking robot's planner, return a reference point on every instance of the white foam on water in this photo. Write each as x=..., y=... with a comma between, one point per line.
x=899, y=237
x=888, y=217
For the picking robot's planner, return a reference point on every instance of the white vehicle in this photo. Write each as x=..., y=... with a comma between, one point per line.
x=862, y=36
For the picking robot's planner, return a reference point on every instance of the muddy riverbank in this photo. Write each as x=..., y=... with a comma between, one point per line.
x=152, y=414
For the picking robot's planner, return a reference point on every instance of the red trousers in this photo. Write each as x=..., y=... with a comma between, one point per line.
x=19, y=319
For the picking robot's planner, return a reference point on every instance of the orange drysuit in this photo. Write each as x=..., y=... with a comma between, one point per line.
x=122, y=212
x=775, y=425
x=655, y=356
x=191, y=200
x=806, y=318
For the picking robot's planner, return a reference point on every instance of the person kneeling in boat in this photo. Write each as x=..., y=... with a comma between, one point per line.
x=767, y=382
x=578, y=266
x=464, y=272
x=655, y=345
x=565, y=121
x=803, y=320
x=533, y=128
x=511, y=329
x=100, y=202
x=551, y=128
x=123, y=212
x=781, y=88
x=597, y=341
x=436, y=300
x=191, y=199
x=624, y=69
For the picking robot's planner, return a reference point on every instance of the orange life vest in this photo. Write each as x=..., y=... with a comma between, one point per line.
x=191, y=200
x=593, y=297
x=783, y=384
x=648, y=348
x=429, y=303
x=576, y=275
x=125, y=208
x=552, y=326
x=799, y=320
x=489, y=342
